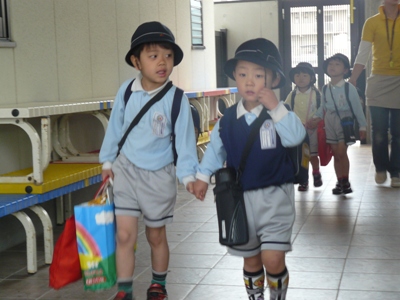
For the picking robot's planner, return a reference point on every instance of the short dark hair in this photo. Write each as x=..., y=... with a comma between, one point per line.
x=137, y=50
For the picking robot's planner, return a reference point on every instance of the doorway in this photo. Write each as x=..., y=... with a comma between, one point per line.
x=313, y=30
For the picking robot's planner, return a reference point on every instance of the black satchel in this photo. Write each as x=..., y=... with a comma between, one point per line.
x=228, y=191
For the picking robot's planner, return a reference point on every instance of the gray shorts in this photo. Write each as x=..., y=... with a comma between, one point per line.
x=333, y=127
x=270, y=215
x=138, y=191
x=312, y=135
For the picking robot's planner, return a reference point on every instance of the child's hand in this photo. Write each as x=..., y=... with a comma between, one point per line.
x=190, y=187
x=200, y=189
x=313, y=123
x=268, y=98
x=107, y=173
x=363, y=135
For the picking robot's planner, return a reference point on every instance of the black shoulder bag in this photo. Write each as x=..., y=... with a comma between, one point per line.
x=228, y=191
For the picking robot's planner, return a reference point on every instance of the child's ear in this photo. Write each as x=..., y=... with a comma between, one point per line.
x=234, y=74
x=135, y=62
x=276, y=80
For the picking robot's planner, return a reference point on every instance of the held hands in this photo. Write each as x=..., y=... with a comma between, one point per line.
x=200, y=189
x=268, y=98
x=312, y=123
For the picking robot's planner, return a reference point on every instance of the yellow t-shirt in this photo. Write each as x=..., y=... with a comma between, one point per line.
x=374, y=31
x=302, y=106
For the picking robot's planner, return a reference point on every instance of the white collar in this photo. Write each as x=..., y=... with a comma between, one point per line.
x=240, y=110
x=137, y=86
x=306, y=92
x=339, y=84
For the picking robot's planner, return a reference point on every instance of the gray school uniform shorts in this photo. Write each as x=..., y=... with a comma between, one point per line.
x=270, y=215
x=138, y=191
x=333, y=127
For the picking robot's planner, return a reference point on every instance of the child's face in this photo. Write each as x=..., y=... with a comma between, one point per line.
x=302, y=80
x=155, y=64
x=251, y=79
x=336, y=68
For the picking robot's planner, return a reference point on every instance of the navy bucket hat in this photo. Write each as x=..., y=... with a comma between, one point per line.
x=303, y=67
x=258, y=51
x=341, y=57
x=154, y=32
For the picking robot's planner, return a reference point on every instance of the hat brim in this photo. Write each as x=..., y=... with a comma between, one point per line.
x=178, y=53
x=230, y=66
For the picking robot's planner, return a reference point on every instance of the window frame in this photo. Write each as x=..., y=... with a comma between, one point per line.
x=5, y=26
x=199, y=8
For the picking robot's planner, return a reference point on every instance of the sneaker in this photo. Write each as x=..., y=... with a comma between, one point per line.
x=157, y=292
x=317, y=179
x=123, y=296
x=338, y=189
x=346, y=188
x=303, y=187
x=380, y=177
x=395, y=182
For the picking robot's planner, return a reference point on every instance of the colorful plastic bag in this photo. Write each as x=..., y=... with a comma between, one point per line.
x=324, y=149
x=65, y=267
x=95, y=235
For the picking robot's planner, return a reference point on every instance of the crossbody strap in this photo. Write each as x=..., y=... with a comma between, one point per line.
x=144, y=109
x=346, y=91
x=334, y=102
x=176, y=107
x=250, y=141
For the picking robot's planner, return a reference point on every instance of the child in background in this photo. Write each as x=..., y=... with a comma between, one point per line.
x=144, y=173
x=304, y=100
x=268, y=177
x=334, y=102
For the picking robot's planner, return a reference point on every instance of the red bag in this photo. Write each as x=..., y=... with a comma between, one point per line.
x=324, y=150
x=65, y=267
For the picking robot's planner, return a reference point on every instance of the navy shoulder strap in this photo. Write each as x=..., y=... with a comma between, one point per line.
x=346, y=91
x=292, y=100
x=176, y=107
x=318, y=96
x=128, y=92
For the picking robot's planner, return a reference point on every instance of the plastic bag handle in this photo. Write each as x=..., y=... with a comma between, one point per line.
x=102, y=187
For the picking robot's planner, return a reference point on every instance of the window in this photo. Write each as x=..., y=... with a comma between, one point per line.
x=4, y=29
x=3, y=20
x=197, y=22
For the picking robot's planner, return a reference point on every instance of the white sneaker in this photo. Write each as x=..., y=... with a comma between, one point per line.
x=395, y=182
x=380, y=177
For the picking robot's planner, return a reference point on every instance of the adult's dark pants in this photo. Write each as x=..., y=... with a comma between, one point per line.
x=383, y=120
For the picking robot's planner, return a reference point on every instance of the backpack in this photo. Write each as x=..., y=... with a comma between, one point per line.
x=317, y=93
x=176, y=107
x=300, y=156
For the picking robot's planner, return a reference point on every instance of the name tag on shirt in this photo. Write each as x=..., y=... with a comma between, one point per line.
x=159, y=124
x=268, y=135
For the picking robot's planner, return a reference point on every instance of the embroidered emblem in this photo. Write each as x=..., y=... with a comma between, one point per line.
x=159, y=124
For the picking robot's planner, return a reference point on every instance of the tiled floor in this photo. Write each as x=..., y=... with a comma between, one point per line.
x=344, y=248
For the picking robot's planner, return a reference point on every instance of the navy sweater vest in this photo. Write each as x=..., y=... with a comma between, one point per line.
x=264, y=167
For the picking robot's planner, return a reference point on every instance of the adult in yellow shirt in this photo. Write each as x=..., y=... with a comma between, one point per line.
x=381, y=34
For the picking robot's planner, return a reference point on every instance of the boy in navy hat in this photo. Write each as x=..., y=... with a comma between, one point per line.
x=268, y=177
x=144, y=173
x=340, y=101
x=304, y=100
